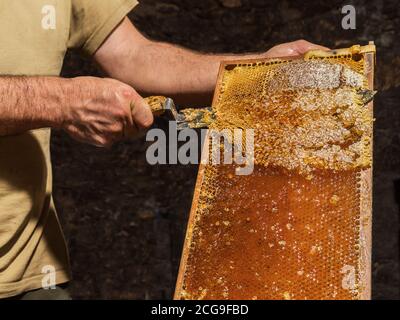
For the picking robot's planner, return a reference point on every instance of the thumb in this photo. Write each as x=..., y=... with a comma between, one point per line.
x=141, y=113
x=141, y=117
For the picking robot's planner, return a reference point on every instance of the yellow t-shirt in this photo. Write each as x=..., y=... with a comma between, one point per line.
x=34, y=36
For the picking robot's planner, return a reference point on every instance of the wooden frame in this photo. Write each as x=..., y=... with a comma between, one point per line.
x=366, y=198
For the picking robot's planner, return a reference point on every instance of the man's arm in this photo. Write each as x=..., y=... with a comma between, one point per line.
x=30, y=103
x=159, y=68
x=91, y=110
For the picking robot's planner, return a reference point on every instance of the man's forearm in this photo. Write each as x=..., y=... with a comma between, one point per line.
x=28, y=103
x=159, y=68
x=91, y=110
x=187, y=76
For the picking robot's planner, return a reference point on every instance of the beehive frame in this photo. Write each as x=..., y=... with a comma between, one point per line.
x=365, y=182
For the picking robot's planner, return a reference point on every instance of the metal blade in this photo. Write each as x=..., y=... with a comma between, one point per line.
x=186, y=118
x=366, y=95
x=195, y=118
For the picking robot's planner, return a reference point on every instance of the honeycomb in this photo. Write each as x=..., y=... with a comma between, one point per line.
x=298, y=226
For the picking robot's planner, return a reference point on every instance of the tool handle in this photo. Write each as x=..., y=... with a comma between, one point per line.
x=157, y=104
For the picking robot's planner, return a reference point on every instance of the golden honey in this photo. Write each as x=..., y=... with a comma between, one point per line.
x=298, y=226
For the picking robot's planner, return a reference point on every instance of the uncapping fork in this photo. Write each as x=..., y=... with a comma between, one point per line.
x=186, y=118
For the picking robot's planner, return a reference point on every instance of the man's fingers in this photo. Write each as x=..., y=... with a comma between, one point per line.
x=294, y=48
x=140, y=116
x=302, y=46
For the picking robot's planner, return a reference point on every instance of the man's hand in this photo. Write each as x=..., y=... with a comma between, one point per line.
x=92, y=110
x=104, y=111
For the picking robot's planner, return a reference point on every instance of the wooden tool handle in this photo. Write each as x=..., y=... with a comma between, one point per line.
x=157, y=104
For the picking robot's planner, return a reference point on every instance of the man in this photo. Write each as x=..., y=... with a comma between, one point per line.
x=35, y=35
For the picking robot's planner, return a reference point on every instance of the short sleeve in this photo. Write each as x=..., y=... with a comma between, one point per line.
x=93, y=20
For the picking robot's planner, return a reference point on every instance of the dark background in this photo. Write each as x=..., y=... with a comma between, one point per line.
x=125, y=220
